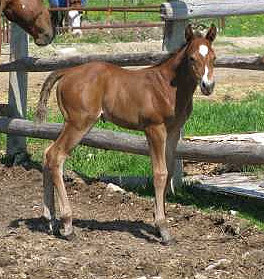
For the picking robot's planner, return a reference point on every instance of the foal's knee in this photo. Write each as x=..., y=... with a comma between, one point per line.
x=160, y=178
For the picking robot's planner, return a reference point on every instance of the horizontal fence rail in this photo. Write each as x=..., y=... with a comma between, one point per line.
x=31, y=64
x=188, y=9
x=219, y=152
x=149, y=8
x=115, y=26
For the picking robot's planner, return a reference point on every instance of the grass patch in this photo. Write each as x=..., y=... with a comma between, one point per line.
x=250, y=50
x=122, y=16
x=207, y=118
x=210, y=118
x=248, y=25
x=244, y=26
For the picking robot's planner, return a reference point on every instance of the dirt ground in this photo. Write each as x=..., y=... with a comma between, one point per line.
x=116, y=238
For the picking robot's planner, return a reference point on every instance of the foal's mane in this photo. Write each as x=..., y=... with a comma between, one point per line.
x=197, y=34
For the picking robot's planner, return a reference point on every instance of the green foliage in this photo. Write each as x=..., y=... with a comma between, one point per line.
x=244, y=26
x=207, y=118
x=250, y=25
x=227, y=117
x=95, y=163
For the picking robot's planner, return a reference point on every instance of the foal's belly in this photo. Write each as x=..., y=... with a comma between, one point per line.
x=125, y=121
x=138, y=119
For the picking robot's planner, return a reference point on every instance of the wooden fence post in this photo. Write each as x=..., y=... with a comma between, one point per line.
x=17, y=95
x=172, y=40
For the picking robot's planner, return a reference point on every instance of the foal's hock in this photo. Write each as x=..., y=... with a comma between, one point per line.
x=157, y=100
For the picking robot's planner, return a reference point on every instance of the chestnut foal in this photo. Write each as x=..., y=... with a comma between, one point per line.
x=32, y=16
x=157, y=100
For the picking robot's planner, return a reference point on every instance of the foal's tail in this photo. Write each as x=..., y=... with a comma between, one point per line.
x=41, y=112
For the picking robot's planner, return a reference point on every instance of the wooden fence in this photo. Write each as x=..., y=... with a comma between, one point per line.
x=176, y=15
x=235, y=151
x=31, y=64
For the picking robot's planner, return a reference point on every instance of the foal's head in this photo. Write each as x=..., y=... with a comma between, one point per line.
x=32, y=16
x=201, y=57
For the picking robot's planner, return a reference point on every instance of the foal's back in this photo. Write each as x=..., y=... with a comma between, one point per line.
x=130, y=98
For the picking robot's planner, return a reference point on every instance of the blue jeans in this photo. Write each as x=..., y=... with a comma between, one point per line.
x=62, y=3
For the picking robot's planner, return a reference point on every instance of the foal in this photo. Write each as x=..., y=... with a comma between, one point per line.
x=157, y=100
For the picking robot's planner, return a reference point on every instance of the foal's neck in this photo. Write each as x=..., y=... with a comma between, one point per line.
x=177, y=70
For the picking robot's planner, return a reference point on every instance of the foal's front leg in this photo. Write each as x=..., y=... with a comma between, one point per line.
x=156, y=136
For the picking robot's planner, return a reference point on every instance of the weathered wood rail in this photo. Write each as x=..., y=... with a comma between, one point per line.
x=187, y=9
x=30, y=64
x=241, y=152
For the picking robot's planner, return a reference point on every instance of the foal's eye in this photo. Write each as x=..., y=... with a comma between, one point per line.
x=213, y=60
x=192, y=59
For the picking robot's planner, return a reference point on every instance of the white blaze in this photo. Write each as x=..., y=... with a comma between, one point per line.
x=203, y=50
x=205, y=76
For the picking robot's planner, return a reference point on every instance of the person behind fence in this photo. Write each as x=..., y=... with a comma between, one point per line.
x=74, y=16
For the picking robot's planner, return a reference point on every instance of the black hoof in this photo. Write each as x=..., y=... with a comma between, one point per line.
x=166, y=238
x=169, y=242
x=68, y=237
x=45, y=225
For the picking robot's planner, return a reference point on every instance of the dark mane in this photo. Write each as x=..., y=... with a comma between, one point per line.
x=197, y=34
x=170, y=55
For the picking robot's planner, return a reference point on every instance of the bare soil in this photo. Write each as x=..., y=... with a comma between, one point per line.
x=116, y=238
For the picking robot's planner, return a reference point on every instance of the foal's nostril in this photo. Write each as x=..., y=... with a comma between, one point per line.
x=212, y=86
x=203, y=84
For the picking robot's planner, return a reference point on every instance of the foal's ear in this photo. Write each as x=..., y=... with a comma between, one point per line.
x=188, y=33
x=211, y=34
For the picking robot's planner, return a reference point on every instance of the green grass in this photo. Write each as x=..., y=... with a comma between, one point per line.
x=207, y=118
x=227, y=117
x=250, y=25
x=121, y=16
x=244, y=26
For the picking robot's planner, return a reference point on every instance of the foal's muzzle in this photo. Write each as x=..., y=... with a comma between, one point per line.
x=207, y=88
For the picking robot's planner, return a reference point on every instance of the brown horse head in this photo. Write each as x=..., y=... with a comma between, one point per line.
x=32, y=16
x=201, y=57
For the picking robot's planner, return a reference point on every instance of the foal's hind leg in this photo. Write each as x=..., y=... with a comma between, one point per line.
x=48, y=202
x=156, y=136
x=171, y=145
x=55, y=156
